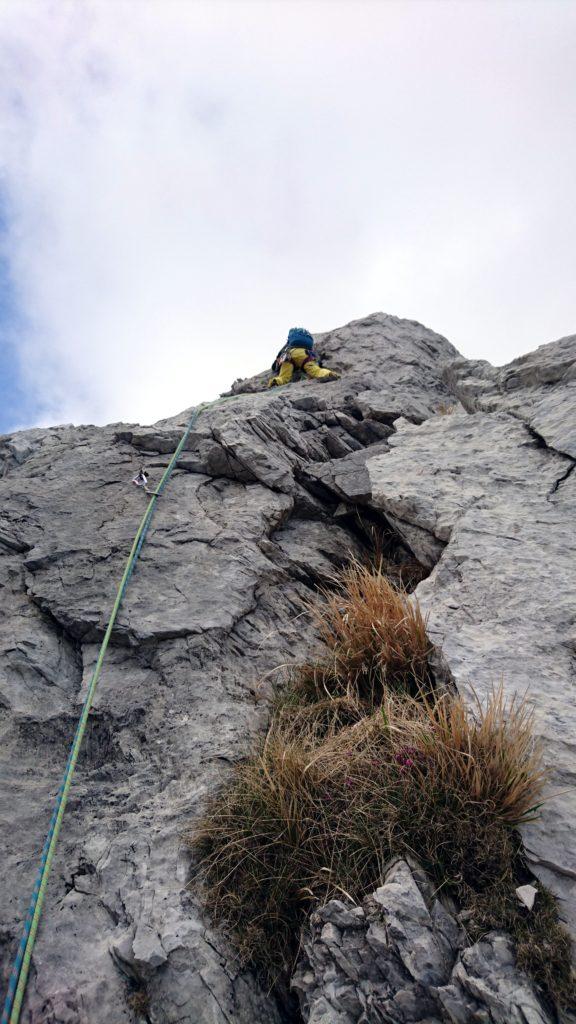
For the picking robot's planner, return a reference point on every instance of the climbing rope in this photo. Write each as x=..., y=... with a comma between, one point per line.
x=20, y=971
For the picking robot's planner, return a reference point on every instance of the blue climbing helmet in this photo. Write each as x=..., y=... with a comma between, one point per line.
x=298, y=337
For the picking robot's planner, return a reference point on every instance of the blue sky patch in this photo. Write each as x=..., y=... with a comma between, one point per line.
x=17, y=407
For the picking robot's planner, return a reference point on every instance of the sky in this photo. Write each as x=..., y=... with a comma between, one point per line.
x=182, y=182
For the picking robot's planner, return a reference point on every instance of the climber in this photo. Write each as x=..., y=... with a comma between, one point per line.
x=298, y=352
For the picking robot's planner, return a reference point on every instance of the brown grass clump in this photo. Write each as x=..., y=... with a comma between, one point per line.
x=375, y=635
x=140, y=1003
x=490, y=753
x=310, y=722
x=364, y=761
x=319, y=812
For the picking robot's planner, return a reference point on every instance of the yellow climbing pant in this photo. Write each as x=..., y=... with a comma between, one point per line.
x=300, y=359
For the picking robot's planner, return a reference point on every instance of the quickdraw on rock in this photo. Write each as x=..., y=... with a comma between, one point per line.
x=141, y=480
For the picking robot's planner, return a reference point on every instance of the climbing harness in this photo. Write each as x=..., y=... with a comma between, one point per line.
x=19, y=976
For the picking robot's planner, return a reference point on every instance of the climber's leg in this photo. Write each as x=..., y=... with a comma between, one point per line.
x=284, y=375
x=304, y=361
x=311, y=369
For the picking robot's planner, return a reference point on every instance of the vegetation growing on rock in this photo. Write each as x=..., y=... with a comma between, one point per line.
x=364, y=760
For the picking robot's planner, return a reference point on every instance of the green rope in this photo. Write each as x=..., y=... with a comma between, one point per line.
x=18, y=980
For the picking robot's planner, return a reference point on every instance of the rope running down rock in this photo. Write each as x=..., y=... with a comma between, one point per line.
x=21, y=968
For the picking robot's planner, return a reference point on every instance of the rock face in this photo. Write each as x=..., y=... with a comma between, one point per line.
x=268, y=496
x=538, y=388
x=403, y=957
x=490, y=500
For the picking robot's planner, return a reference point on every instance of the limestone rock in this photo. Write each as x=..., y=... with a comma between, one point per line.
x=270, y=494
x=480, y=498
x=527, y=895
x=539, y=388
x=402, y=957
x=214, y=607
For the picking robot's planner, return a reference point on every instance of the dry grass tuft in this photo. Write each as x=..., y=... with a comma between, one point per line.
x=489, y=752
x=320, y=810
x=311, y=721
x=140, y=1003
x=364, y=761
x=375, y=634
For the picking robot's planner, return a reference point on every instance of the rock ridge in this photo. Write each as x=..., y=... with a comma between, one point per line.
x=463, y=466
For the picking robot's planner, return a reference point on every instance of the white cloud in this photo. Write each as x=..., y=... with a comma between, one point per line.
x=188, y=180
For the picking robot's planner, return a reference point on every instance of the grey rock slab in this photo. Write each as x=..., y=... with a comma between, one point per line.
x=539, y=388
x=215, y=606
x=318, y=546
x=451, y=464
x=410, y=972
x=348, y=476
x=168, y=595
x=214, y=614
x=486, y=985
x=554, y=419
x=423, y=950
x=501, y=601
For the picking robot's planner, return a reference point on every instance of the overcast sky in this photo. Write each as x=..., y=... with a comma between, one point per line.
x=182, y=182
